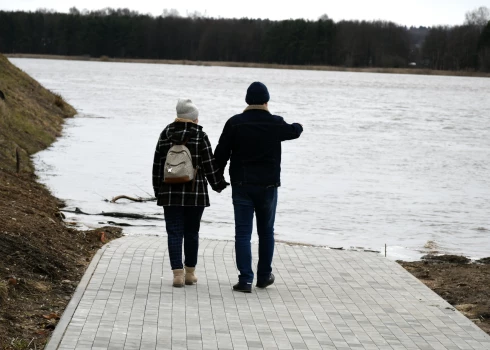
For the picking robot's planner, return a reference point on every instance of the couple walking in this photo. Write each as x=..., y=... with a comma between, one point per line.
x=252, y=142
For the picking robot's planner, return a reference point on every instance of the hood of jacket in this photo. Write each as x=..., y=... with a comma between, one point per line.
x=178, y=132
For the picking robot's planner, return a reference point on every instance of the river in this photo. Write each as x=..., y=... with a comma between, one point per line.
x=401, y=160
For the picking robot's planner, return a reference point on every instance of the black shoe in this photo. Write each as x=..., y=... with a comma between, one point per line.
x=243, y=287
x=266, y=283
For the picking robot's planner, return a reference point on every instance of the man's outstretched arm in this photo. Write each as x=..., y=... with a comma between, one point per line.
x=290, y=131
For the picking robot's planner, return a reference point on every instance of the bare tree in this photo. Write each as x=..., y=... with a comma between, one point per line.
x=323, y=17
x=478, y=17
x=197, y=14
x=170, y=13
x=74, y=11
x=45, y=10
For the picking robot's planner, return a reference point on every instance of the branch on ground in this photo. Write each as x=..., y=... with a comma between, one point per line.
x=115, y=214
x=139, y=199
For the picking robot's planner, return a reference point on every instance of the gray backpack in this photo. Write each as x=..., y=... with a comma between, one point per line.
x=178, y=166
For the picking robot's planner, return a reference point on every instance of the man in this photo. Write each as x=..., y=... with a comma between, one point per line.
x=253, y=141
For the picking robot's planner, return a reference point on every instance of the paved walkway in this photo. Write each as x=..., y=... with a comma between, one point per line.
x=322, y=299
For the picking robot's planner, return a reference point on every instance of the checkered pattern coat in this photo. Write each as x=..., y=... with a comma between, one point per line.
x=202, y=156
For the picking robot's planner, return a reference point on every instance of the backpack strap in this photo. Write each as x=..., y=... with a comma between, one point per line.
x=181, y=144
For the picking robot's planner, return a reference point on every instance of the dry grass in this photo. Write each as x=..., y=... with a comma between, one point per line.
x=3, y=292
x=3, y=109
x=42, y=287
x=58, y=101
x=419, y=71
x=20, y=344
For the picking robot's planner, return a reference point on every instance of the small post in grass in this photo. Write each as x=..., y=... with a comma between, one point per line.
x=385, y=250
x=17, y=157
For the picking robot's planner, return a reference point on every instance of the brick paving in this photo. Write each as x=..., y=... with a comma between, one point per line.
x=322, y=299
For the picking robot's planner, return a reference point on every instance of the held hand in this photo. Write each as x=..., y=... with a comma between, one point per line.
x=221, y=186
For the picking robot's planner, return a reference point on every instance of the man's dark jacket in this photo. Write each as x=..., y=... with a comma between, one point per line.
x=253, y=142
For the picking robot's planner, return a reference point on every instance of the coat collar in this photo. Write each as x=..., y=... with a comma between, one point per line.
x=182, y=120
x=257, y=107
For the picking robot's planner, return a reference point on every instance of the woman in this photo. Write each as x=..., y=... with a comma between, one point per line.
x=184, y=203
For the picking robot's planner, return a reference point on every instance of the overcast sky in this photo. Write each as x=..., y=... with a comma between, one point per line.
x=408, y=12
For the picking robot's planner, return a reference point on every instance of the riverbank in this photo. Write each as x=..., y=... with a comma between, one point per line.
x=419, y=71
x=42, y=260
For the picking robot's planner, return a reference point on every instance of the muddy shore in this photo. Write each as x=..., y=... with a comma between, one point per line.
x=462, y=283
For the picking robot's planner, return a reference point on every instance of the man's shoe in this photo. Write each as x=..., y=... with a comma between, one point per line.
x=243, y=287
x=266, y=283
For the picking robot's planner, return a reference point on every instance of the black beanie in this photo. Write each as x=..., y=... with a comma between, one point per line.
x=257, y=94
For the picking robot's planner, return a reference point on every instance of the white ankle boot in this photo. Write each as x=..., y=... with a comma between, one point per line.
x=178, y=278
x=190, y=277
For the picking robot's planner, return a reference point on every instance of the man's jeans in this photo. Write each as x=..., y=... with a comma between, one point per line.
x=248, y=199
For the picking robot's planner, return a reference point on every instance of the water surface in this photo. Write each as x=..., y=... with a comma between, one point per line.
x=401, y=160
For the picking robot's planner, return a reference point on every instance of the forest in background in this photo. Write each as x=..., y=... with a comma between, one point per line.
x=122, y=33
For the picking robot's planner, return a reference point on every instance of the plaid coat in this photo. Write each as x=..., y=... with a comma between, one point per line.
x=202, y=156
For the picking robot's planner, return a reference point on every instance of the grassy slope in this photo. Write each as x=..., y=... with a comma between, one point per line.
x=31, y=117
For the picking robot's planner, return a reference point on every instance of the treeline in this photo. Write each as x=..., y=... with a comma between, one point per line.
x=122, y=33
x=465, y=47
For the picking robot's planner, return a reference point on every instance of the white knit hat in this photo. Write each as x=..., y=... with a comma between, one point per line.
x=186, y=109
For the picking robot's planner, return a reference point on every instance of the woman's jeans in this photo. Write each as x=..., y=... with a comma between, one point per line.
x=183, y=224
x=262, y=201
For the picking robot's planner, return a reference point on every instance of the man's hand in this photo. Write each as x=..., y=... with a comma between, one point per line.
x=222, y=185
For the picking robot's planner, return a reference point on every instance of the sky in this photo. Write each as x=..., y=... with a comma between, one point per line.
x=408, y=12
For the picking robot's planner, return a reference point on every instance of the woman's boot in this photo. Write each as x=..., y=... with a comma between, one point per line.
x=178, y=278
x=190, y=277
